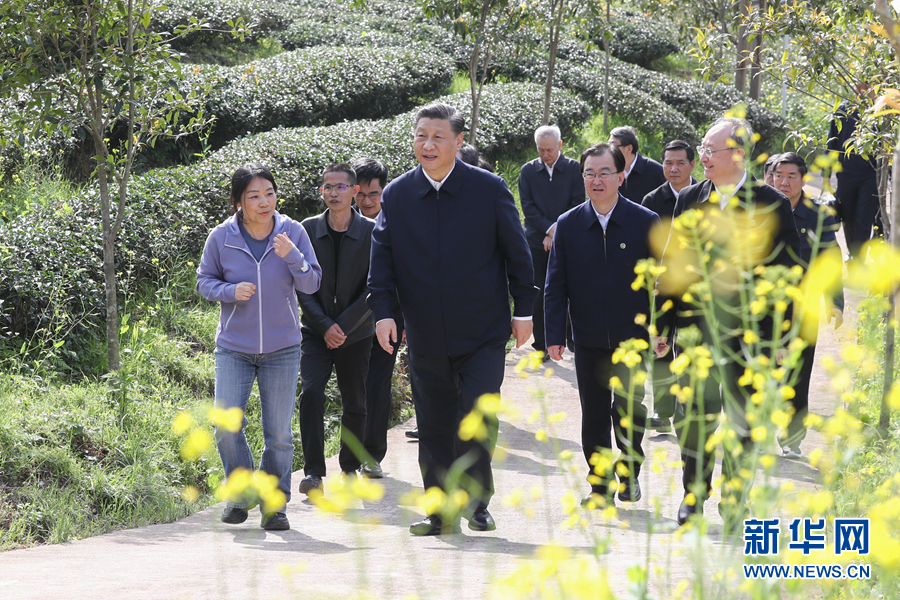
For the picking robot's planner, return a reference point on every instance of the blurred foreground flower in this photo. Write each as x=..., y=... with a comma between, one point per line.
x=554, y=573
x=246, y=487
x=344, y=492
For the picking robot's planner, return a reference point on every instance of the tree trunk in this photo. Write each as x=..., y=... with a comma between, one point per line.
x=606, y=71
x=473, y=80
x=742, y=47
x=756, y=66
x=554, y=46
x=109, y=273
x=891, y=221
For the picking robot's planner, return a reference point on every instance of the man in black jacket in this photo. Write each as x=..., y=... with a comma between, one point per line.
x=642, y=174
x=449, y=240
x=337, y=327
x=729, y=194
x=590, y=275
x=857, y=182
x=678, y=164
x=548, y=186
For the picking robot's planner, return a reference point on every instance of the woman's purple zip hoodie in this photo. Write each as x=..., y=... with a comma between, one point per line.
x=269, y=320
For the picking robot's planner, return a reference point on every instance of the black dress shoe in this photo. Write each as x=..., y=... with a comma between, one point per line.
x=276, y=521
x=481, y=520
x=434, y=525
x=413, y=433
x=686, y=510
x=234, y=515
x=310, y=483
x=660, y=424
x=371, y=470
x=630, y=491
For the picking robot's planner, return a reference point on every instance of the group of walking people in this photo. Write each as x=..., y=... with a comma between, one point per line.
x=439, y=257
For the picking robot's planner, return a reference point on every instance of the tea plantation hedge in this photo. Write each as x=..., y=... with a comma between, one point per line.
x=321, y=86
x=50, y=259
x=639, y=40
x=262, y=17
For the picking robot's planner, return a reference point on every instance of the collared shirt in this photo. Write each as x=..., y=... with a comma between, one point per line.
x=628, y=170
x=550, y=167
x=437, y=184
x=604, y=219
x=674, y=191
x=724, y=199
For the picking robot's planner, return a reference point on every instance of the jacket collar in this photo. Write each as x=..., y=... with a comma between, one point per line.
x=588, y=217
x=451, y=185
x=233, y=236
x=802, y=212
x=354, y=231
x=562, y=163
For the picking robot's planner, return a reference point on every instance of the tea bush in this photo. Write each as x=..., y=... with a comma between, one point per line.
x=639, y=40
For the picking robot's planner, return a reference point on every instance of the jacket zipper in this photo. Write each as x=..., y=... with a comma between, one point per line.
x=258, y=291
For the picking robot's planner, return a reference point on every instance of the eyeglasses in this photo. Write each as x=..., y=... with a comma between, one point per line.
x=370, y=196
x=705, y=151
x=341, y=187
x=602, y=175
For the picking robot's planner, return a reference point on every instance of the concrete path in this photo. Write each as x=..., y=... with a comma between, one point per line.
x=369, y=551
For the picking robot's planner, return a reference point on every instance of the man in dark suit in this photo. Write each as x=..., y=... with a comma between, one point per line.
x=728, y=195
x=337, y=327
x=642, y=174
x=449, y=239
x=678, y=164
x=548, y=186
x=591, y=270
x=857, y=182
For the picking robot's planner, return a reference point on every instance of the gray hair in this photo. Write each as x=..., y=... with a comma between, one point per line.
x=547, y=131
x=741, y=132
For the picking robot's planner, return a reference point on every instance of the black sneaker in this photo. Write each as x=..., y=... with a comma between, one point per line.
x=234, y=515
x=310, y=483
x=276, y=521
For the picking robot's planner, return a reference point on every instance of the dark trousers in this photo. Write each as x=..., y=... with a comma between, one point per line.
x=378, y=398
x=796, y=431
x=602, y=412
x=350, y=364
x=858, y=195
x=445, y=389
x=663, y=378
x=539, y=260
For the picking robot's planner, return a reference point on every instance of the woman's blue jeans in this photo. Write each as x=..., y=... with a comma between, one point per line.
x=277, y=374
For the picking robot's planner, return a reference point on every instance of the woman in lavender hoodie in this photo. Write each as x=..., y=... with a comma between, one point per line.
x=252, y=265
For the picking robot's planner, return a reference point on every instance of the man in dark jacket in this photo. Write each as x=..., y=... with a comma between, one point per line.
x=548, y=186
x=642, y=174
x=728, y=194
x=591, y=271
x=450, y=241
x=337, y=326
x=678, y=164
x=816, y=228
x=857, y=182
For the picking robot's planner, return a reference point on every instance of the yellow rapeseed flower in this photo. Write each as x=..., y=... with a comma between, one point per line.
x=229, y=419
x=472, y=427
x=182, y=422
x=197, y=443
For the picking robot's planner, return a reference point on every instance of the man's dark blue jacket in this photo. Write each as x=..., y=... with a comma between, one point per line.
x=646, y=175
x=455, y=257
x=591, y=272
x=544, y=199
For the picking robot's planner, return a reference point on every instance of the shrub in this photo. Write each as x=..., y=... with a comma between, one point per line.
x=639, y=40
x=262, y=17
x=320, y=86
x=57, y=268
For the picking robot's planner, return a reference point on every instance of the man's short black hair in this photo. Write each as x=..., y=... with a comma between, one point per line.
x=483, y=164
x=445, y=112
x=469, y=154
x=370, y=169
x=601, y=149
x=770, y=164
x=675, y=146
x=341, y=168
x=627, y=137
x=791, y=158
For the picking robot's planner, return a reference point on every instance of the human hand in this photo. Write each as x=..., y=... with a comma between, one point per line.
x=282, y=245
x=334, y=337
x=521, y=330
x=386, y=332
x=556, y=352
x=244, y=290
x=548, y=243
x=660, y=345
x=838, y=317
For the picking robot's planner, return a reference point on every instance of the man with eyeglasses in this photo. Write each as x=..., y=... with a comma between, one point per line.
x=337, y=327
x=591, y=270
x=642, y=174
x=678, y=164
x=549, y=185
x=728, y=191
x=372, y=176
